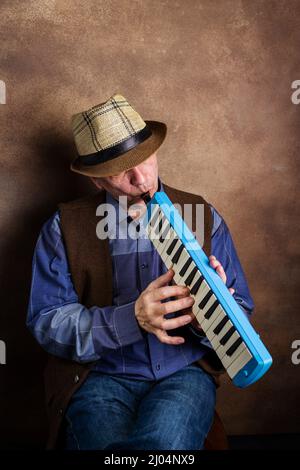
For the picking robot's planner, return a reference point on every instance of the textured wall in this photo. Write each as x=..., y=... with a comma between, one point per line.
x=219, y=74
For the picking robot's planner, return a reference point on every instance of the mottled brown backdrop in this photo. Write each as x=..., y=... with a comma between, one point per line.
x=219, y=73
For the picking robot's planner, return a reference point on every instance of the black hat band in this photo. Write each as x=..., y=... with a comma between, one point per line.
x=117, y=150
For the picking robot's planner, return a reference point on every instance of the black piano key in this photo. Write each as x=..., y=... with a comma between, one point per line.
x=172, y=246
x=154, y=219
x=205, y=299
x=185, y=267
x=176, y=257
x=227, y=336
x=165, y=233
x=211, y=309
x=188, y=281
x=197, y=285
x=220, y=325
x=234, y=347
x=159, y=226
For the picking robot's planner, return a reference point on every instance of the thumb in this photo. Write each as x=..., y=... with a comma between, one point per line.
x=162, y=280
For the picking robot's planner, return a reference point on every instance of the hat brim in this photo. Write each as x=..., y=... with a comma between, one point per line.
x=129, y=159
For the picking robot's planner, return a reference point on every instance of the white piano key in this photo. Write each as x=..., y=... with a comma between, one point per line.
x=184, y=256
x=204, y=288
x=232, y=340
x=187, y=276
x=195, y=307
x=156, y=209
x=164, y=247
x=225, y=329
x=216, y=340
x=160, y=245
x=159, y=221
x=216, y=320
x=221, y=350
x=165, y=225
x=209, y=304
x=151, y=228
x=189, y=269
x=196, y=278
x=239, y=362
x=170, y=256
x=156, y=240
x=155, y=234
x=228, y=360
x=207, y=325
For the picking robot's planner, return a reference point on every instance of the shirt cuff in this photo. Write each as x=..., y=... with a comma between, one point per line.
x=127, y=328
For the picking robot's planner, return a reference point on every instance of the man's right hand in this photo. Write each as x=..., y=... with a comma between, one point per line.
x=150, y=311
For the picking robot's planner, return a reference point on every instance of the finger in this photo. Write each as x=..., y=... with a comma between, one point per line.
x=175, y=305
x=218, y=268
x=173, y=323
x=162, y=280
x=164, y=292
x=231, y=290
x=214, y=262
x=181, y=296
x=165, y=338
x=185, y=310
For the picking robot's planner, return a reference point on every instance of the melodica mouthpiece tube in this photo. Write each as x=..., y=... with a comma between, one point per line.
x=146, y=197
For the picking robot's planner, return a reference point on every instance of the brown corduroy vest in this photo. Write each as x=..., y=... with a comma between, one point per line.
x=91, y=272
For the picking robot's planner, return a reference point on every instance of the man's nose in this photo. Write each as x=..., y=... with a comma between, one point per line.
x=138, y=178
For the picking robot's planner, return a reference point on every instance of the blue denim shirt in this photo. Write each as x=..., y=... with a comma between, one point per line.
x=111, y=335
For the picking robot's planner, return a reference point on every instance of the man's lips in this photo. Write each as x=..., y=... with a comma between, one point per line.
x=139, y=198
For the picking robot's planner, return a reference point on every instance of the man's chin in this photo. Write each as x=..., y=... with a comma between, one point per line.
x=136, y=202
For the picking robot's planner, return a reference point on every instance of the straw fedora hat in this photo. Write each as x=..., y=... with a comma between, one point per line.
x=111, y=137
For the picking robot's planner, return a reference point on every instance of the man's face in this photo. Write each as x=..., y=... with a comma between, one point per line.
x=132, y=183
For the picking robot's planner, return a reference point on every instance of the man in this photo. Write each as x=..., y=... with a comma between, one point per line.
x=128, y=366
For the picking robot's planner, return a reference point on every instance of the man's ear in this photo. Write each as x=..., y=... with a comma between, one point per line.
x=96, y=182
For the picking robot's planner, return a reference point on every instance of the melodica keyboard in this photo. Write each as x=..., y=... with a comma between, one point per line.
x=239, y=348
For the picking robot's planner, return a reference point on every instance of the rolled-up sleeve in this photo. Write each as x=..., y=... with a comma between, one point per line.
x=63, y=326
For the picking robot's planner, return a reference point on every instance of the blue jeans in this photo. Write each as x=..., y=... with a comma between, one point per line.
x=110, y=412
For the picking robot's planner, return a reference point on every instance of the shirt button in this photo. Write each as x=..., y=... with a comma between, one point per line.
x=157, y=366
x=76, y=379
x=144, y=265
x=60, y=411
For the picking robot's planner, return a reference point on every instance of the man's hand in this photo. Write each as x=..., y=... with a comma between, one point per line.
x=219, y=270
x=150, y=311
